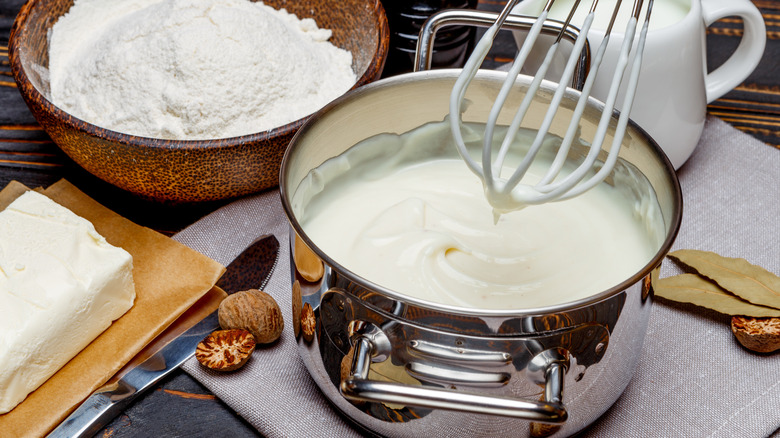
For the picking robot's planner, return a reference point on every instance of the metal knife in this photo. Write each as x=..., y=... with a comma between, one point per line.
x=250, y=270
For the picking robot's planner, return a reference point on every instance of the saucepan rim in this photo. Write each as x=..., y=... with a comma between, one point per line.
x=287, y=192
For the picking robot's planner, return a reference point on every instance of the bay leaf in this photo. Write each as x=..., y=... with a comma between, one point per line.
x=691, y=288
x=738, y=276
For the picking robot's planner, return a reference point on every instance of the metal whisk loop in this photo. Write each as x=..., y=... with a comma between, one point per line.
x=627, y=101
x=510, y=194
x=470, y=70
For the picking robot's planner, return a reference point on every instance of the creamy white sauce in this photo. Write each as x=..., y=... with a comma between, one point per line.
x=405, y=212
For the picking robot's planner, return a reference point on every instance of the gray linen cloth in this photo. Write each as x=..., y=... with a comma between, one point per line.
x=693, y=379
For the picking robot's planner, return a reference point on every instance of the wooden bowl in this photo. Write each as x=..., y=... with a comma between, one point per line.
x=185, y=170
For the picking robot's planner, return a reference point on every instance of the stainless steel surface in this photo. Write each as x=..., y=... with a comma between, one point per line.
x=357, y=386
x=432, y=398
x=588, y=347
x=469, y=17
x=255, y=264
x=423, y=349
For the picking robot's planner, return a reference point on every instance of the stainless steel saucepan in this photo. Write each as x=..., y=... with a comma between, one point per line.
x=400, y=366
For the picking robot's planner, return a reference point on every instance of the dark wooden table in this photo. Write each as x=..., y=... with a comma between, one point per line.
x=180, y=406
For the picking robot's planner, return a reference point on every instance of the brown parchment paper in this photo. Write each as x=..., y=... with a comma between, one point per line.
x=170, y=278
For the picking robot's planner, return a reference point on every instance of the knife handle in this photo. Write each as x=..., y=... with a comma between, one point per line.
x=104, y=404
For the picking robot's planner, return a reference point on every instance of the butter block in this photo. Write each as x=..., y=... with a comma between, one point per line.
x=61, y=285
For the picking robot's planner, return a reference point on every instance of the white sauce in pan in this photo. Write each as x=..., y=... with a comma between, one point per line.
x=404, y=212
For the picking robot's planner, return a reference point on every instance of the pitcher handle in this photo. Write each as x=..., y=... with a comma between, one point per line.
x=749, y=52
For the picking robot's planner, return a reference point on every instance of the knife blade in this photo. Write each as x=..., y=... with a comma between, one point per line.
x=250, y=270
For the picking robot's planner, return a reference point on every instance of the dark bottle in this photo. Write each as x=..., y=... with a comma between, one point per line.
x=451, y=47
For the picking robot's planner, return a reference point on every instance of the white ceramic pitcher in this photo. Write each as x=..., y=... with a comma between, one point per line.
x=674, y=86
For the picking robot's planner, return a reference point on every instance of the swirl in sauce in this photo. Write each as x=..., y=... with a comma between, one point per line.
x=404, y=212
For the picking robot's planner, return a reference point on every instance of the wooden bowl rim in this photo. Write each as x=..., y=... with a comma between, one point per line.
x=31, y=93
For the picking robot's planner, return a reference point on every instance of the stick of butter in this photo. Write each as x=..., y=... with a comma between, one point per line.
x=61, y=285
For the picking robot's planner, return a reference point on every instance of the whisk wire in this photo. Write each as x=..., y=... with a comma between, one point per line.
x=487, y=149
x=551, y=110
x=575, y=177
x=510, y=192
x=627, y=100
x=544, y=184
x=541, y=73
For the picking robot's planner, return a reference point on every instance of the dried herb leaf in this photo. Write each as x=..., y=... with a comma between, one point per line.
x=750, y=282
x=691, y=288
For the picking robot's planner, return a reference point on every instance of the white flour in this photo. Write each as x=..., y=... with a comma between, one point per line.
x=192, y=69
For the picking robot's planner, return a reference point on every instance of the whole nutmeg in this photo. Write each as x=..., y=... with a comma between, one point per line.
x=757, y=334
x=255, y=311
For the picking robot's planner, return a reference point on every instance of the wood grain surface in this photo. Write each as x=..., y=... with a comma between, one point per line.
x=180, y=406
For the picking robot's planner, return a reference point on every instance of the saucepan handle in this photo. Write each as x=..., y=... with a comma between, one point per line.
x=357, y=386
x=470, y=17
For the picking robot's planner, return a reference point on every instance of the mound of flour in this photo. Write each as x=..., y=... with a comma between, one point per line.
x=192, y=69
